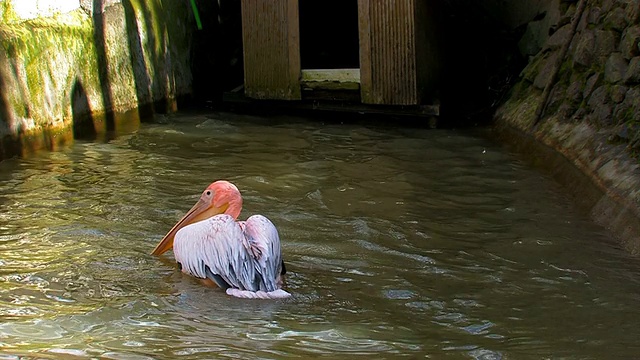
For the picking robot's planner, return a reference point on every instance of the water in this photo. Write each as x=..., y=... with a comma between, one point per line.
x=399, y=243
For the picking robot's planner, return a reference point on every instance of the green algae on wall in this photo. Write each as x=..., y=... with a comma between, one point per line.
x=6, y=13
x=71, y=73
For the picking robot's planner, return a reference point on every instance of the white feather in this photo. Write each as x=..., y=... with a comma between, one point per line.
x=245, y=254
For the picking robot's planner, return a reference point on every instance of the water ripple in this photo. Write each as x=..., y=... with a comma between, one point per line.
x=398, y=243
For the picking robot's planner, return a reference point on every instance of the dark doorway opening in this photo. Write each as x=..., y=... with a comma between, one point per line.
x=329, y=34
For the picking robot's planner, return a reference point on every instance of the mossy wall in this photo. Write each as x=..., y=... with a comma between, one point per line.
x=592, y=116
x=73, y=75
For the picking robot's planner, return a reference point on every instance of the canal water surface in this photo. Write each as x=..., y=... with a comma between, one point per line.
x=398, y=242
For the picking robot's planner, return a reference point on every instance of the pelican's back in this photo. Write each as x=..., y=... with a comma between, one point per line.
x=246, y=255
x=264, y=244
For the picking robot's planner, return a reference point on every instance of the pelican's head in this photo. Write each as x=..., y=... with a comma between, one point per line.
x=221, y=197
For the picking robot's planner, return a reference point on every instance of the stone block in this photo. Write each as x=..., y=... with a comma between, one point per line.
x=557, y=96
x=629, y=42
x=616, y=20
x=584, y=48
x=574, y=91
x=580, y=114
x=632, y=75
x=605, y=42
x=615, y=68
x=606, y=5
x=619, y=113
x=566, y=110
x=532, y=40
x=633, y=12
x=567, y=17
x=530, y=72
x=618, y=92
x=628, y=105
x=543, y=76
x=601, y=110
x=594, y=14
x=592, y=82
x=584, y=21
x=558, y=38
x=599, y=98
x=603, y=114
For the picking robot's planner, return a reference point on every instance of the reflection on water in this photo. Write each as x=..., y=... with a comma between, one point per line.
x=398, y=242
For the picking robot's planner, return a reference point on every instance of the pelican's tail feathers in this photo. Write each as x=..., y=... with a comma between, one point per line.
x=246, y=294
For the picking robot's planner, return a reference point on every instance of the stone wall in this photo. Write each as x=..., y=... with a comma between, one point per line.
x=71, y=74
x=592, y=115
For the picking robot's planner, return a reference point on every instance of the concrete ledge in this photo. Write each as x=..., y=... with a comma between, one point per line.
x=330, y=79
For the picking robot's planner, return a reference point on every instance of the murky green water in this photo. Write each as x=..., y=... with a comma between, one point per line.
x=422, y=243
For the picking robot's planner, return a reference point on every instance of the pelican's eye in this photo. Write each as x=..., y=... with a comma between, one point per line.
x=208, y=193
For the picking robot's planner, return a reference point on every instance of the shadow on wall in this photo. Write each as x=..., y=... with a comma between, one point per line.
x=103, y=63
x=205, y=53
x=144, y=91
x=9, y=146
x=217, y=53
x=152, y=71
x=155, y=94
x=481, y=62
x=9, y=143
x=83, y=122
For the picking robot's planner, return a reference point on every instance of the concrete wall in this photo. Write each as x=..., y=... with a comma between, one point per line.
x=71, y=68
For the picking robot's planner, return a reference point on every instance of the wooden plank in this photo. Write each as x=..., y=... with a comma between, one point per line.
x=364, y=29
x=270, y=34
x=293, y=40
x=388, y=58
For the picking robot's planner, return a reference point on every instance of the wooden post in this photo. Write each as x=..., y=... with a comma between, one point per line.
x=271, y=42
x=388, y=52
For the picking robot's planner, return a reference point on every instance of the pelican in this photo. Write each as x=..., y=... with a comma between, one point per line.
x=241, y=257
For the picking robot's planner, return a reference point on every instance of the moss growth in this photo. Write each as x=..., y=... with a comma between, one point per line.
x=7, y=14
x=530, y=72
x=33, y=48
x=48, y=59
x=565, y=72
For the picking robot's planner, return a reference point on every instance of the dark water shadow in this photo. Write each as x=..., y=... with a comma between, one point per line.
x=99, y=38
x=83, y=122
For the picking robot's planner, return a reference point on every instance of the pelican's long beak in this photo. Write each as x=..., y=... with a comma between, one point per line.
x=201, y=210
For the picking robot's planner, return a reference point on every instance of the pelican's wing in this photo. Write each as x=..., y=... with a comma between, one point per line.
x=264, y=243
x=241, y=254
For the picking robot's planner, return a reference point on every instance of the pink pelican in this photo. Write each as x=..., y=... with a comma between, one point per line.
x=242, y=257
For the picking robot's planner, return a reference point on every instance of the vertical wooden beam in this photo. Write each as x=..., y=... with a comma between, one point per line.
x=270, y=35
x=426, y=52
x=388, y=51
x=364, y=29
x=293, y=39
